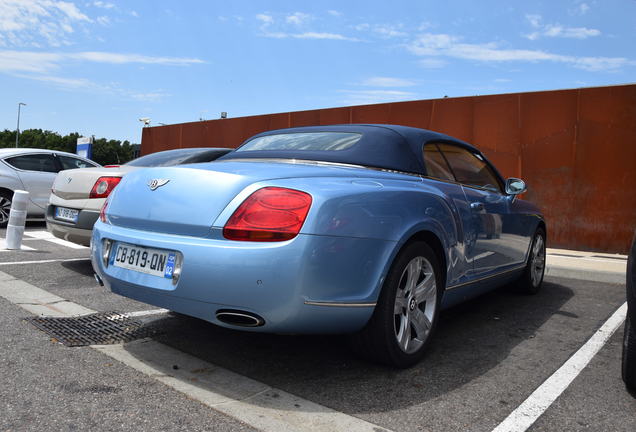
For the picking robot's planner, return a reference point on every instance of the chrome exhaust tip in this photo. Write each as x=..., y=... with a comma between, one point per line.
x=239, y=318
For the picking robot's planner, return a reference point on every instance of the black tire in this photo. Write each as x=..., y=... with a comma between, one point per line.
x=532, y=278
x=629, y=355
x=6, y=198
x=419, y=309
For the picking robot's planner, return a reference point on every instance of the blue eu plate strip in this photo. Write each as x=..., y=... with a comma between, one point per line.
x=169, y=266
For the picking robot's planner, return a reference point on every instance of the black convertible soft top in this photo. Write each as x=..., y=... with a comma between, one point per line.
x=385, y=146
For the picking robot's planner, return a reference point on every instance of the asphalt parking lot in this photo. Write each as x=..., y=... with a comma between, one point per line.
x=489, y=355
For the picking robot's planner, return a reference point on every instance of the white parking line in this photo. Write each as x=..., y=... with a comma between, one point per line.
x=250, y=401
x=540, y=400
x=45, y=235
x=3, y=246
x=42, y=261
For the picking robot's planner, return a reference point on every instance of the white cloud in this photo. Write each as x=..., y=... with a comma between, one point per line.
x=103, y=20
x=387, y=82
x=92, y=87
x=579, y=9
x=103, y=5
x=364, y=97
x=119, y=58
x=432, y=63
x=288, y=28
x=297, y=18
x=534, y=20
x=597, y=64
x=557, y=30
x=265, y=19
x=307, y=35
x=73, y=83
x=24, y=61
x=444, y=45
x=153, y=96
x=31, y=22
x=68, y=9
x=384, y=30
x=389, y=31
x=44, y=62
x=334, y=13
x=317, y=35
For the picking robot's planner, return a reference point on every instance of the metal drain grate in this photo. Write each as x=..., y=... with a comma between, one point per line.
x=101, y=328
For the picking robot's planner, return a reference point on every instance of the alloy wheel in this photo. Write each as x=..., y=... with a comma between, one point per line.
x=5, y=208
x=415, y=304
x=538, y=261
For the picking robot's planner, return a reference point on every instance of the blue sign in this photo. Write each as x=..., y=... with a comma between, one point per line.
x=85, y=147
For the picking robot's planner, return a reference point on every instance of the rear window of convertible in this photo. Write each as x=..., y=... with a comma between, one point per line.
x=325, y=141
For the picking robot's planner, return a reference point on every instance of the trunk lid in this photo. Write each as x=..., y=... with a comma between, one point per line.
x=187, y=200
x=77, y=183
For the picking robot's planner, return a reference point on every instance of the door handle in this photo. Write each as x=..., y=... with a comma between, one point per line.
x=477, y=206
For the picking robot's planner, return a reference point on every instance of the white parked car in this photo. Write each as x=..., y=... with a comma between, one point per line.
x=34, y=171
x=78, y=195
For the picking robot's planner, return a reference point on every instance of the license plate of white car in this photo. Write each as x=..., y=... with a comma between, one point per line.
x=66, y=214
x=156, y=262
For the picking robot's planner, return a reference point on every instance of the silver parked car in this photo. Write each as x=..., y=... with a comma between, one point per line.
x=78, y=195
x=33, y=170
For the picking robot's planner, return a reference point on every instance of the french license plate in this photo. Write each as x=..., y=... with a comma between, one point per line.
x=66, y=214
x=156, y=262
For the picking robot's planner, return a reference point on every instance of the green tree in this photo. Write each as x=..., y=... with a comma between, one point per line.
x=105, y=151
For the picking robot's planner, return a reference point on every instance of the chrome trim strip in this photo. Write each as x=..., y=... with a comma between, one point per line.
x=336, y=304
x=487, y=277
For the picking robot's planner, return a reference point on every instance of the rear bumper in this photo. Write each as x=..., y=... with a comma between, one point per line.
x=311, y=284
x=79, y=232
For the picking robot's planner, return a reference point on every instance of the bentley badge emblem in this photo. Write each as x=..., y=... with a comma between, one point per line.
x=156, y=183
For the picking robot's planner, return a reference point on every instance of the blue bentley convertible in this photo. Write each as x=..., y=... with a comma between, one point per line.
x=361, y=229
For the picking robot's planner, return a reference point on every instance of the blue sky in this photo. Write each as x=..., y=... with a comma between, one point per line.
x=96, y=67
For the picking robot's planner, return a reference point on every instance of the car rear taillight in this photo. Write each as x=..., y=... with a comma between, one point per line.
x=102, y=212
x=268, y=215
x=104, y=186
x=111, y=166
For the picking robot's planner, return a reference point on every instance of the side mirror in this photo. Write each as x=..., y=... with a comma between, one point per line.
x=515, y=186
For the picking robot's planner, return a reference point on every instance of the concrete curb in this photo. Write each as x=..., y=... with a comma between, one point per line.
x=587, y=266
x=584, y=274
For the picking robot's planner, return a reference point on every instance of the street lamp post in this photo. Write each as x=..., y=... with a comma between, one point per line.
x=17, y=131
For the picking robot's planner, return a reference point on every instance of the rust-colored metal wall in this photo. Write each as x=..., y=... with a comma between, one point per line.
x=576, y=149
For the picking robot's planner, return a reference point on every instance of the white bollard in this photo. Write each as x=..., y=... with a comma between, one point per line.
x=17, y=219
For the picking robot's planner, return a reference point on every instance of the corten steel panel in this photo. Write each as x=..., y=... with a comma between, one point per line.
x=496, y=131
x=278, y=121
x=415, y=114
x=606, y=168
x=496, y=123
x=305, y=118
x=195, y=135
x=453, y=116
x=548, y=125
x=254, y=125
x=613, y=106
x=232, y=131
x=575, y=149
x=506, y=163
x=370, y=113
x=335, y=116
